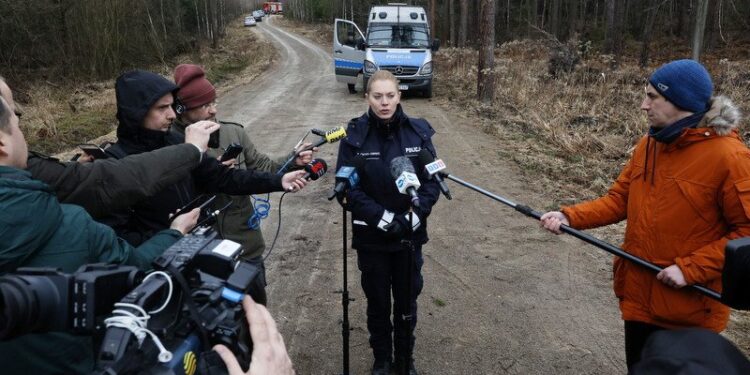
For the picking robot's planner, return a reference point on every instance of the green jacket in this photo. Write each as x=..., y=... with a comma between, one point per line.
x=108, y=185
x=233, y=224
x=37, y=231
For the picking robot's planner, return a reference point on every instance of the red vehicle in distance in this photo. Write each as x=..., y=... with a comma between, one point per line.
x=273, y=7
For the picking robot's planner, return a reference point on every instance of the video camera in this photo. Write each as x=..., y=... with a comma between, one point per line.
x=165, y=323
x=45, y=299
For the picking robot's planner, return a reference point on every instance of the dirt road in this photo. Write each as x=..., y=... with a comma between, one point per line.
x=501, y=296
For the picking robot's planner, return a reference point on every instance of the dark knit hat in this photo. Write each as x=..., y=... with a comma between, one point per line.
x=195, y=90
x=685, y=83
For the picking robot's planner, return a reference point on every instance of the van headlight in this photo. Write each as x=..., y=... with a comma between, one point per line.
x=370, y=67
x=427, y=68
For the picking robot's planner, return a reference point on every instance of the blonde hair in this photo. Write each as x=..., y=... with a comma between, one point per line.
x=381, y=75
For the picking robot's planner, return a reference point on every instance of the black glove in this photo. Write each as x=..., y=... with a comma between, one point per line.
x=395, y=230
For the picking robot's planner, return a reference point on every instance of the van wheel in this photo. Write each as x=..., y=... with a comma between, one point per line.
x=364, y=84
x=351, y=86
x=427, y=93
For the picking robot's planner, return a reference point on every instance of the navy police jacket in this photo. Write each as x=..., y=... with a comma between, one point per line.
x=378, y=143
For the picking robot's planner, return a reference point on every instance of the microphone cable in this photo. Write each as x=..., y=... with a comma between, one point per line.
x=278, y=228
x=261, y=207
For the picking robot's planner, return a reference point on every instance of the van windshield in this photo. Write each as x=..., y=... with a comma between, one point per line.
x=398, y=35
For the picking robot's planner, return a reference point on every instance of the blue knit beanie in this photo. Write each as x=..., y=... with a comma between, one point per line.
x=685, y=83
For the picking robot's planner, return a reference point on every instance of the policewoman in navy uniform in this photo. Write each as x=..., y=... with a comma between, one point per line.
x=380, y=219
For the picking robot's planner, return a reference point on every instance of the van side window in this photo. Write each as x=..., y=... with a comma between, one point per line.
x=347, y=35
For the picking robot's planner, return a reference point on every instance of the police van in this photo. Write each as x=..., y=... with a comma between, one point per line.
x=397, y=40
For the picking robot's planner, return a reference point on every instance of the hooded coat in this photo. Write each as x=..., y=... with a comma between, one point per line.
x=37, y=231
x=683, y=201
x=136, y=92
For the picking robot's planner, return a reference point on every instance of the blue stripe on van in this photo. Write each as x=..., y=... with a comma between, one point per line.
x=341, y=63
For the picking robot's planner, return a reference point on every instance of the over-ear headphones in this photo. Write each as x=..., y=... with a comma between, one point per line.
x=178, y=107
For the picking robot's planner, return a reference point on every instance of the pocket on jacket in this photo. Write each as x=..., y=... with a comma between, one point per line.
x=678, y=306
x=743, y=191
x=702, y=199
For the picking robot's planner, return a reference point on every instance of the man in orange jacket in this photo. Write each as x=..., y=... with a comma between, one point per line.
x=685, y=192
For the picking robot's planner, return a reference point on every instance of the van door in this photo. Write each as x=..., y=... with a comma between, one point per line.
x=347, y=58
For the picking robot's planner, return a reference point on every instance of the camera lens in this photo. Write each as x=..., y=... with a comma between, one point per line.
x=31, y=304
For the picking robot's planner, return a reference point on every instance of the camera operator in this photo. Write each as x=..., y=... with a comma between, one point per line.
x=127, y=180
x=269, y=352
x=37, y=231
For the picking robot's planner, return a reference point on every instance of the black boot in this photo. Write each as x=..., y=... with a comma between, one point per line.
x=381, y=367
x=399, y=367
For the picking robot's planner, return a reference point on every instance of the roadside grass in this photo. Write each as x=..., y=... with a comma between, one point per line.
x=60, y=115
x=573, y=132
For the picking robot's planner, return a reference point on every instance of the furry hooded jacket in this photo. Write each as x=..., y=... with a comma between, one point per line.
x=683, y=201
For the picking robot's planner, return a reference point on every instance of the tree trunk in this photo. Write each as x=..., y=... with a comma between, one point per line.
x=554, y=19
x=648, y=27
x=463, y=22
x=609, y=37
x=163, y=21
x=533, y=18
x=700, y=27
x=572, y=19
x=619, y=30
x=452, y=17
x=433, y=29
x=486, y=75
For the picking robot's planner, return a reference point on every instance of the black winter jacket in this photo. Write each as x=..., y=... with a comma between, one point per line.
x=378, y=143
x=108, y=185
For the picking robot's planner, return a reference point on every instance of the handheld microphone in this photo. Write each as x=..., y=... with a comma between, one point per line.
x=347, y=177
x=433, y=167
x=406, y=180
x=332, y=136
x=316, y=169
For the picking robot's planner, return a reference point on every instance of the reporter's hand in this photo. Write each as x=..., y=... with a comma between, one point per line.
x=672, y=276
x=229, y=163
x=199, y=132
x=269, y=352
x=305, y=157
x=85, y=158
x=185, y=222
x=293, y=181
x=552, y=221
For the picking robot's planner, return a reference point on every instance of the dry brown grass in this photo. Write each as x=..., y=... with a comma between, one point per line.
x=574, y=131
x=57, y=116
